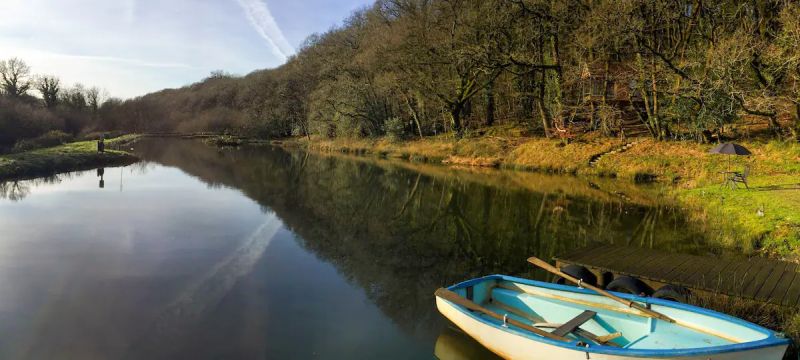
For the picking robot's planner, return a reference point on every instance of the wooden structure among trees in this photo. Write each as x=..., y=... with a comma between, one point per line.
x=607, y=96
x=770, y=281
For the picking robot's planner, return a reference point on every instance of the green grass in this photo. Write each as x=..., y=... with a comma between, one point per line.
x=765, y=218
x=69, y=157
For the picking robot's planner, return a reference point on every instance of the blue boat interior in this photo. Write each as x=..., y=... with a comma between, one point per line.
x=548, y=307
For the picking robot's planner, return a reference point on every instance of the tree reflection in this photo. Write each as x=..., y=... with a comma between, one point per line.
x=14, y=190
x=400, y=234
x=18, y=190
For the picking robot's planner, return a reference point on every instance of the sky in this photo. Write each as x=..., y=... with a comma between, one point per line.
x=133, y=47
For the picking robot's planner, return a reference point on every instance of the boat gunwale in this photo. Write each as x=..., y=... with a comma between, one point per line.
x=772, y=340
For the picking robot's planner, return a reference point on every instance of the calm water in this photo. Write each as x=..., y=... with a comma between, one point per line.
x=260, y=253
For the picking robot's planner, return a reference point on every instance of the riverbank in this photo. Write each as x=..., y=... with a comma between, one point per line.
x=762, y=220
x=65, y=158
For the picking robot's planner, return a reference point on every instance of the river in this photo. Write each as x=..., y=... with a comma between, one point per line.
x=205, y=253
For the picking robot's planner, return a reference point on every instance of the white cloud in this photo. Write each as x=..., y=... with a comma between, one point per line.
x=122, y=77
x=261, y=19
x=132, y=47
x=126, y=61
x=130, y=11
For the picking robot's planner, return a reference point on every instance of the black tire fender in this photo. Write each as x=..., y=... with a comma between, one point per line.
x=675, y=293
x=578, y=272
x=630, y=285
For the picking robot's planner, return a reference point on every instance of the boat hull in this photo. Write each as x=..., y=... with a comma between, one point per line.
x=513, y=345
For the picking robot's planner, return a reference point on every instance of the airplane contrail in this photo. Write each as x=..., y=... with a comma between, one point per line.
x=261, y=19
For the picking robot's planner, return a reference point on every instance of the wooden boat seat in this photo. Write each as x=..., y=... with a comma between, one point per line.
x=575, y=323
x=537, y=322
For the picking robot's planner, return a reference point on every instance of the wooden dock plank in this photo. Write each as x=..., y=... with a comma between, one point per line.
x=732, y=278
x=756, y=269
x=783, y=285
x=632, y=262
x=645, y=266
x=751, y=289
x=581, y=253
x=713, y=281
x=757, y=278
x=699, y=279
x=592, y=256
x=793, y=293
x=611, y=259
x=660, y=266
x=757, y=282
x=772, y=282
x=690, y=266
x=675, y=262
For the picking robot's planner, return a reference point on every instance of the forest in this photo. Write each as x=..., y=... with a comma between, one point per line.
x=670, y=69
x=38, y=110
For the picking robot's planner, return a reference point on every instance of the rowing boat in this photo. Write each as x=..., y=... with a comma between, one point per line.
x=525, y=319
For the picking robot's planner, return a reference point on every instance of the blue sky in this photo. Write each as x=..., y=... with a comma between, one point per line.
x=132, y=47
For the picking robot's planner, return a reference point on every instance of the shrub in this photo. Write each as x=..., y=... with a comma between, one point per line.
x=20, y=119
x=395, y=129
x=49, y=139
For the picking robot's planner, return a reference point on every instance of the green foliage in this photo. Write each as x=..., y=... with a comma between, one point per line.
x=683, y=67
x=396, y=129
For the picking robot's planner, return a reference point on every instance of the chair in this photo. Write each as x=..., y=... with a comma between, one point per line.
x=740, y=177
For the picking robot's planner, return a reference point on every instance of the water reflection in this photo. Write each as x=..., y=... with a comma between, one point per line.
x=453, y=344
x=400, y=233
x=17, y=190
x=259, y=252
x=100, y=173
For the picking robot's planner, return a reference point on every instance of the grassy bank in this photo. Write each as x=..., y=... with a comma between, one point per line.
x=763, y=219
x=64, y=158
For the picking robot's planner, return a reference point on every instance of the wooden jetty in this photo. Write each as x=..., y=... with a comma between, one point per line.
x=770, y=281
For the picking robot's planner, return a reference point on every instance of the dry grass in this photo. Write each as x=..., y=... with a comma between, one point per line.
x=691, y=165
x=556, y=156
x=506, y=147
x=730, y=218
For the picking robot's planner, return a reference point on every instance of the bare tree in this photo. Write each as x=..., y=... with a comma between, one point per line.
x=49, y=86
x=74, y=97
x=94, y=97
x=15, y=77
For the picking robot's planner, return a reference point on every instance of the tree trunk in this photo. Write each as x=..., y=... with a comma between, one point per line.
x=654, y=84
x=552, y=81
x=645, y=98
x=490, y=104
x=543, y=113
x=414, y=114
x=797, y=120
x=455, y=116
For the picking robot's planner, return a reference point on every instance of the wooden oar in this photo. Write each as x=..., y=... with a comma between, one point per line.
x=458, y=300
x=545, y=265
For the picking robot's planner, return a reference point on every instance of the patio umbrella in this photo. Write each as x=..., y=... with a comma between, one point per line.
x=730, y=149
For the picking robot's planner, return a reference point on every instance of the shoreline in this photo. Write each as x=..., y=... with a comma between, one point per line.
x=760, y=221
x=76, y=156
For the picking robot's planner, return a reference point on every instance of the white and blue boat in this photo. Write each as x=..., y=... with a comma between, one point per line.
x=525, y=319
